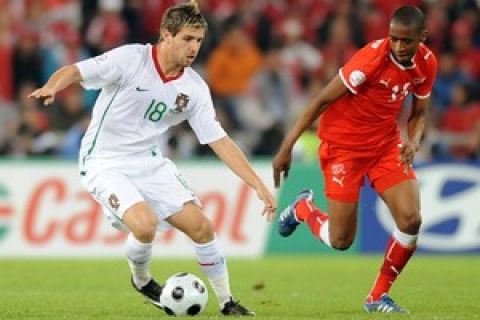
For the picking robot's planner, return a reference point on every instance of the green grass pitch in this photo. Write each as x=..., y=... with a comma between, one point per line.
x=289, y=287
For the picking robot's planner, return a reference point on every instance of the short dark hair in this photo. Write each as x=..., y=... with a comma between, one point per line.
x=182, y=15
x=410, y=16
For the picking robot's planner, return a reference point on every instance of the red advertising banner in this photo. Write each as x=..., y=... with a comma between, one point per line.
x=44, y=211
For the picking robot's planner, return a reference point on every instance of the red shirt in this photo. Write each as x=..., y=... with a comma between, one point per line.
x=365, y=117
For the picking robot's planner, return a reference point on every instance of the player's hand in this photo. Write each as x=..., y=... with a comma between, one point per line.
x=407, y=153
x=281, y=163
x=269, y=201
x=44, y=93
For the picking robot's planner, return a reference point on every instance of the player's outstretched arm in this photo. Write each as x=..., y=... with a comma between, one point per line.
x=228, y=151
x=281, y=163
x=59, y=80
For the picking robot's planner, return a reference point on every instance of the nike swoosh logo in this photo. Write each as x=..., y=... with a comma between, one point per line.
x=141, y=89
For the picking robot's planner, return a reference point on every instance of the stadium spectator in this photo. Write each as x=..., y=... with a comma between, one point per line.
x=6, y=59
x=338, y=48
x=107, y=29
x=229, y=81
x=454, y=30
x=133, y=18
x=27, y=59
x=448, y=76
x=152, y=12
x=436, y=21
x=274, y=87
x=71, y=142
x=298, y=56
x=374, y=24
x=68, y=110
x=9, y=118
x=33, y=135
x=66, y=49
x=466, y=55
x=460, y=125
x=343, y=17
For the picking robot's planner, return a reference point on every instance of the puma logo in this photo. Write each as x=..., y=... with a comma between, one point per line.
x=141, y=89
x=394, y=270
x=338, y=180
x=320, y=221
x=386, y=83
x=417, y=81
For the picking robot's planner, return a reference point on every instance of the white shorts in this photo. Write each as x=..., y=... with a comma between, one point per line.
x=118, y=186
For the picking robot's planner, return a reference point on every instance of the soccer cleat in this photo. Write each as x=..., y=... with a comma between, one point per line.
x=152, y=291
x=288, y=221
x=234, y=308
x=385, y=305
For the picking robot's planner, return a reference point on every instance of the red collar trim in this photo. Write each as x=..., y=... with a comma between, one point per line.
x=159, y=69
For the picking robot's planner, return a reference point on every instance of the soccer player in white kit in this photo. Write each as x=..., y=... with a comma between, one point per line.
x=145, y=90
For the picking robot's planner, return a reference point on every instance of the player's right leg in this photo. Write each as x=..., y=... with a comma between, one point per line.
x=127, y=210
x=142, y=222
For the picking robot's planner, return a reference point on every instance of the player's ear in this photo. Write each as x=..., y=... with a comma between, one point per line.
x=165, y=35
x=423, y=35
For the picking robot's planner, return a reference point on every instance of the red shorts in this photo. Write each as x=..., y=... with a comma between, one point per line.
x=344, y=171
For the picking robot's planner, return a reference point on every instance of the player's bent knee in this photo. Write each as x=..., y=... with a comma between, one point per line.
x=144, y=227
x=341, y=243
x=145, y=232
x=141, y=221
x=410, y=222
x=203, y=232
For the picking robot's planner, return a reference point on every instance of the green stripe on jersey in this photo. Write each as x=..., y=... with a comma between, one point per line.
x=100, y=125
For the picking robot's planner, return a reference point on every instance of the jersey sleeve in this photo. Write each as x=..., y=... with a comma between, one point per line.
x=105, y=69
x=424, y=89
x=362, y=66
x=203, y=120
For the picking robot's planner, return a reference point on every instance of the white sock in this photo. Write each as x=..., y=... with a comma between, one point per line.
x=325, y=234
x=139, y=255
x=406, y=240
x=213, y=264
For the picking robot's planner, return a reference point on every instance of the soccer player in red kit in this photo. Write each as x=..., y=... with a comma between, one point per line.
x=360, y=137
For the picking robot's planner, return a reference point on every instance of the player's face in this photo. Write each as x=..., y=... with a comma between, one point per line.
x=186, y=44
x=404, y=42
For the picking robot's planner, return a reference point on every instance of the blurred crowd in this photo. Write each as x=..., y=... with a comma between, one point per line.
x=263, y=60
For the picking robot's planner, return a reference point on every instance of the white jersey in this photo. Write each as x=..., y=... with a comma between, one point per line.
x=138, y=104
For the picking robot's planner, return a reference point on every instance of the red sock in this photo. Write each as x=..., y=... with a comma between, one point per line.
x=314, y=217
x=303, y=209
x=396, y=257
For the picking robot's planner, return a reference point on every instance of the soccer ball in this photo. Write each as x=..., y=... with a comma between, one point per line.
x=184, y=294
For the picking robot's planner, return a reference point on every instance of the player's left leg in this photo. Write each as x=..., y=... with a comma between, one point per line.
x=403, y=202
x=399, y=190
x=191, y=221
x=336, y=229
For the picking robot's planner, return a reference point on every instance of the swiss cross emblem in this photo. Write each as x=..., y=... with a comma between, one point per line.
x=181, y=102
x=338, y=168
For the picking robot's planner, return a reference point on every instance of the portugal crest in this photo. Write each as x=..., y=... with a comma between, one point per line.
x=113, y=201
x=181, y=102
